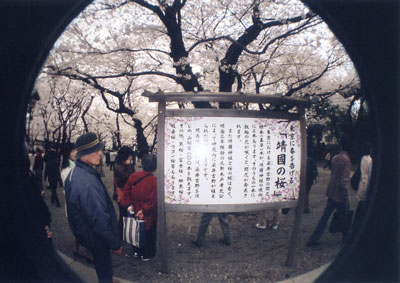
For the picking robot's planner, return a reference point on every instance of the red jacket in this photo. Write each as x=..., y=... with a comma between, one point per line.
x=143, y=196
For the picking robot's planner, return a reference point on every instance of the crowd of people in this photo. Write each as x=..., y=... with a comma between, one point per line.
x=91, y=215
x=98, y=231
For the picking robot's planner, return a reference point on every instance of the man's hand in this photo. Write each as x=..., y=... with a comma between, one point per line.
x=140, y=214
x=118, y=252
x=130, y=210
x=48, y=232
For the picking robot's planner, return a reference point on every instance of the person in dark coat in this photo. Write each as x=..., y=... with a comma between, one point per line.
x=107, y=154
x=52, y=173
x=312, y=174
x=123, y=168
x=91, y=214
x=337, y=192
x=29, y=253
x=142, y=199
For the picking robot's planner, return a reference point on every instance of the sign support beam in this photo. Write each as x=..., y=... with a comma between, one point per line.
x=162, y=222
x=303, y=170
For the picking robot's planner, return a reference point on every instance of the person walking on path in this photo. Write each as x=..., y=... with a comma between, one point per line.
x=312, y=174
x=205, y=222
x=52, y=173
x=113, y=155
x=140, y=196
x=38, y=165
x=327, y=160
x=337, y=192
x=91, y=214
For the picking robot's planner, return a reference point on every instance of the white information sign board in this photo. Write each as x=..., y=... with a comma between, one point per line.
x=231, y=160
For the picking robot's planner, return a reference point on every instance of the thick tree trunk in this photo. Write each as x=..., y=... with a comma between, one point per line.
x=142, y=145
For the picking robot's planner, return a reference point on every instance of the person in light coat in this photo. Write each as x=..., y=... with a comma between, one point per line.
x=366, y=170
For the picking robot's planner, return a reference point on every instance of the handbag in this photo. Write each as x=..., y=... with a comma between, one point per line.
x=133, y=228
x=133, y=231
x=341, y=222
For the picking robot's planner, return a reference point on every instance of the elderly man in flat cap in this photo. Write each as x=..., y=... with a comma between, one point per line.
x=91, y=214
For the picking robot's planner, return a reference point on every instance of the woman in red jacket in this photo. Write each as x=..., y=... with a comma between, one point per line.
x=140, y=195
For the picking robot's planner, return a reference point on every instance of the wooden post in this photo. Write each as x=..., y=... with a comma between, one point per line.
x=303, y=170
x=162, y=222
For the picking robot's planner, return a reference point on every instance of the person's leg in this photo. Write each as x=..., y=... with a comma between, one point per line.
x=276, y=218
x=306, y=208
x=224, y=223
x=319, y=229
x=102, y=261
x=342, y=210
x=54, y=194
x=54, y=198
x=122, y=213
x=360, y=212
x=204, y=223
x=39, y=174
x=261, y=220
x=149, y=250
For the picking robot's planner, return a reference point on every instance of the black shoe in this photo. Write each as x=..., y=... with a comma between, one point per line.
x=225, y=242
x=312, y=243
x=197, y=244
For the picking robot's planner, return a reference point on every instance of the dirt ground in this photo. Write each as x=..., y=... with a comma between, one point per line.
x=254, y=255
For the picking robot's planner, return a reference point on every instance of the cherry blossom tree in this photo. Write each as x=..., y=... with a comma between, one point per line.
x=59, y=110
x=120, y=48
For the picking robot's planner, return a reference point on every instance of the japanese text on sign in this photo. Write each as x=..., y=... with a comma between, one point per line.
x=224, y=160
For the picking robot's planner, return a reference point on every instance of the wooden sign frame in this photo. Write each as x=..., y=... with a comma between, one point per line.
x=162, y=98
